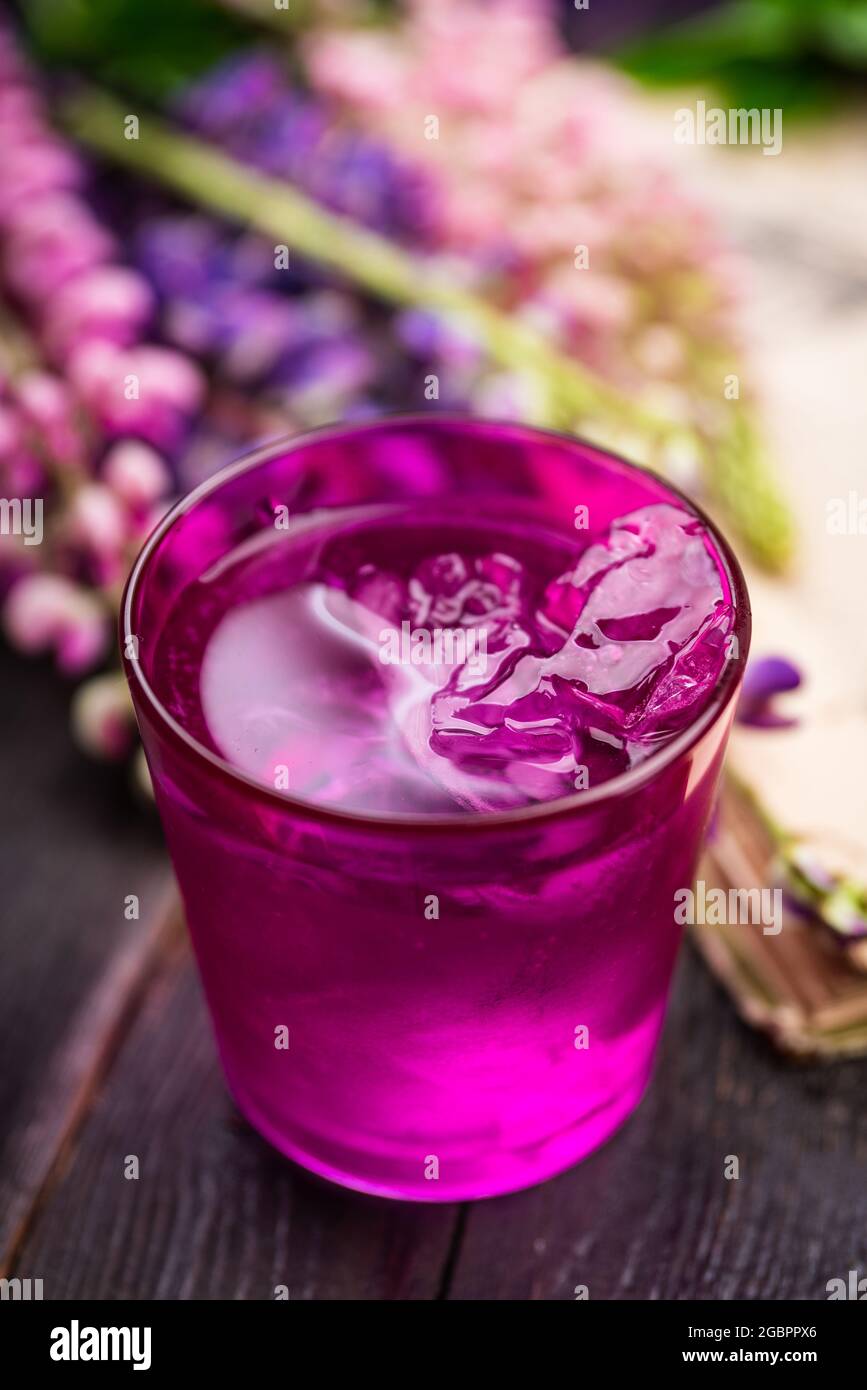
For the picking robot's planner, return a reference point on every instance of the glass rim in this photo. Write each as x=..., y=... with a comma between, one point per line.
x=577, y=801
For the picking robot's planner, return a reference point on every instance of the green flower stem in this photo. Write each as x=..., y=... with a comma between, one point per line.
x=277, y=209
x=748, y=495
x=735, y=474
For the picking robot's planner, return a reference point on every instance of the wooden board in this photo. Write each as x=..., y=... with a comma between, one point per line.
x=215, y=1213
x=72, y=846
x=109, y=1054
x=652, y=1215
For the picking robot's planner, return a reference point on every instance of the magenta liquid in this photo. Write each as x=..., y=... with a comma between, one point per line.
x=434, y=747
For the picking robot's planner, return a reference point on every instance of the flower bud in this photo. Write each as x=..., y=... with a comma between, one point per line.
x=48, y=612
x=48, y=405
x=136, y=473
x=102, y=717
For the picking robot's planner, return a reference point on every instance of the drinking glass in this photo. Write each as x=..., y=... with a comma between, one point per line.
x=421, y=1053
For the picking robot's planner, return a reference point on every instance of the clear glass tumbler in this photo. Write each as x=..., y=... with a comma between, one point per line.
x=493, y=1044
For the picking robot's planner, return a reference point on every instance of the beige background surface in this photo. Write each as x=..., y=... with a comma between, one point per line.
x=799, y=220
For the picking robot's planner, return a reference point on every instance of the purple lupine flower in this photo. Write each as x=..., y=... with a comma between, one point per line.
x=432, y=336
x=215, y=295
x=330, y=373
x=259, y=328
x=765, y=678
x=240, y=89
x=249, y=106
x=287, y=143
x=180, y=253
x=251, y=321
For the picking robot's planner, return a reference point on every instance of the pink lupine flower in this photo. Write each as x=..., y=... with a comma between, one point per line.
x=107, y=302
x=552, y=230
x=496, y=59
x=598, y=303
x=491, y=147
x=33, y=168
x=88, y=315
x=11, y=65
x=21, y=126
x=508, y=396
x=385, y=72
x=146, y=391
x=24, y=476
x=660, y=350
x=20, y=108
x=11, y=432
x=48, y=241
x=48, y=404
x=102, y=717
x=368, y=70
x=21, y=473
x=539, y=153
x=16, y=561
x=474, y=216
x=48, y=612
x=95, y=520
x=137, y=474
x=169, y=375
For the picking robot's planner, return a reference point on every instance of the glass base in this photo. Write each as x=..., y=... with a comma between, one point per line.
x=459, y=1178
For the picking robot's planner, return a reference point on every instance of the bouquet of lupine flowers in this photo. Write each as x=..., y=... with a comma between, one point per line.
x=91, y=409
x=390, y=229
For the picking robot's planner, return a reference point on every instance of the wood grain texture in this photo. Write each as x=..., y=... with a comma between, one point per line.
x=651, y=1214
x=215, y=1213
x=72, y=846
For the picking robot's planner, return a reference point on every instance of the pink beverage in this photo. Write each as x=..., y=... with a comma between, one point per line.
x=435, y=711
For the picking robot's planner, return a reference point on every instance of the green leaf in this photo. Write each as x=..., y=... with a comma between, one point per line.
x=843, y=30
x=149, y=48
x=787, y=53
x=701, y=47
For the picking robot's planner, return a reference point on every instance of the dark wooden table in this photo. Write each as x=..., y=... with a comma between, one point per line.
x=106, y=1053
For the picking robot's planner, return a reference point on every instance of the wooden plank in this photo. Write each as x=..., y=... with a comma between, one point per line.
x=215, y=1213
x=651, y=1214
x=72, y=847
